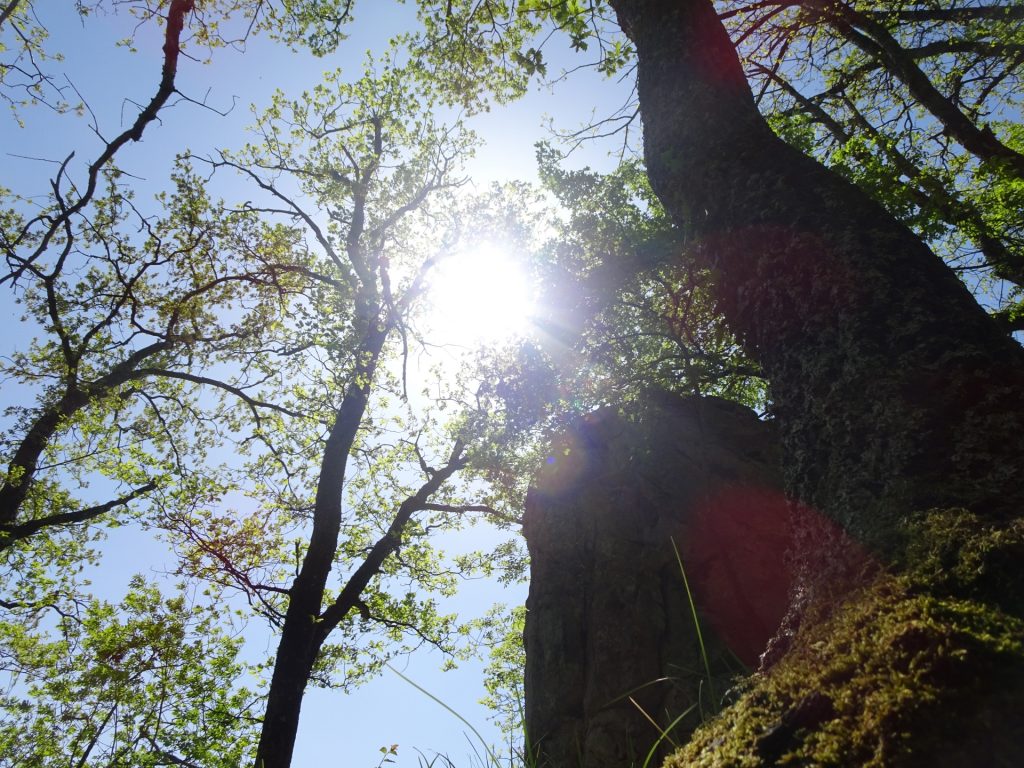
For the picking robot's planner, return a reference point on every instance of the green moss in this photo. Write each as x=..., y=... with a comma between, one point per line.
x=894, y=678
x=954, y=552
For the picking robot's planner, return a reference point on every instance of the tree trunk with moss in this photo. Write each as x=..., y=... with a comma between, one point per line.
x=894, y=391
x=898, y=401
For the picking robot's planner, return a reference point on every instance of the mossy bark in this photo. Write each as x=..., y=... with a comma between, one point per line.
x=896, y=678
x=893, y=389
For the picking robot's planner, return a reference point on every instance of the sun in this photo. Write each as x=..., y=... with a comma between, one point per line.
x=480, y=295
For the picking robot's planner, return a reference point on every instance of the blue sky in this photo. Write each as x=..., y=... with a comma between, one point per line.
x=336, y=729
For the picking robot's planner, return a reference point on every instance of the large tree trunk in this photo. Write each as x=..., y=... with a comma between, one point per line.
x=894, y=391
x=612, y=645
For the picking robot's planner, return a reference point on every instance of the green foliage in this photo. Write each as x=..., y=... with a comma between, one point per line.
x=836, y=81
x=130, y=333
x=586, y=24
x=492, y=49
x=630, y=310
x=24, y=54
x=503, y=677
x=26, y=77
x=208, y=352
x=477, y=49
x=620, y=310
x=369, y=175
x=165, y=341
x=142, y=682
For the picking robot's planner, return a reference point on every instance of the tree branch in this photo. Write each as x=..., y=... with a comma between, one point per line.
x=176, y=14
x=11, y=533
x=8, y=10
x=967, y=13
x=484, y=508
x=876, y=41
x=352, y=592
x=252, y=402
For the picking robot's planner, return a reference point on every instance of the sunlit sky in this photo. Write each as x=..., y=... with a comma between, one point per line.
x=481, y=294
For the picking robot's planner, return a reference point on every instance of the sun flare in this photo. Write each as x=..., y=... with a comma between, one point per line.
x=480, y=295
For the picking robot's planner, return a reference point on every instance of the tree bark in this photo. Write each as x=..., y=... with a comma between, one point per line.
x=303, y=632
x=894, y=391
x=614, y=520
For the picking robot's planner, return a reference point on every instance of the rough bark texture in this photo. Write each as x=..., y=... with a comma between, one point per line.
x=898, y=403
x=893, y=390
x=608, y=615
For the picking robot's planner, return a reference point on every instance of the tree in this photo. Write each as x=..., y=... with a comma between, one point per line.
x=134, y=346
x=628, y=309
x=892, y=390
x=99, y=324
x=875, y=33
x=119, y=390
x=139, y=315
x=894, y=393
x=128, y=327
x=823, y=287
x=364, y=169
x=624, y=318
x=149, y=681
x=24, y=81
x=831, y=296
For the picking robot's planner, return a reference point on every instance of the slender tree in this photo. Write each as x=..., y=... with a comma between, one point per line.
x=140, y=318
x=362, y=167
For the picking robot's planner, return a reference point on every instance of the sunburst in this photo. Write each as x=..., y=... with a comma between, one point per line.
x=480, y=295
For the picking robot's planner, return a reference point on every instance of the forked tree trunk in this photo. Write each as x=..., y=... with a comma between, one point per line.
x=304, y=629
x=894, y=391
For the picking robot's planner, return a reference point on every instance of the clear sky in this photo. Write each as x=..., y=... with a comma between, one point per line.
x=336, y=729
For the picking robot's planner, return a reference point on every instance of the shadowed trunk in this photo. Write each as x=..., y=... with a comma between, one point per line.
x=611, y=637
x=894, y=391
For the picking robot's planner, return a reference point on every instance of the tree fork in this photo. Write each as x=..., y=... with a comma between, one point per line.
x=302, y=635
x=894, y=391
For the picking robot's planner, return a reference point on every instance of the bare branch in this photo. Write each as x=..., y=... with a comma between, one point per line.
x=252, y=402
x=176, y=14
x=482, y=508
